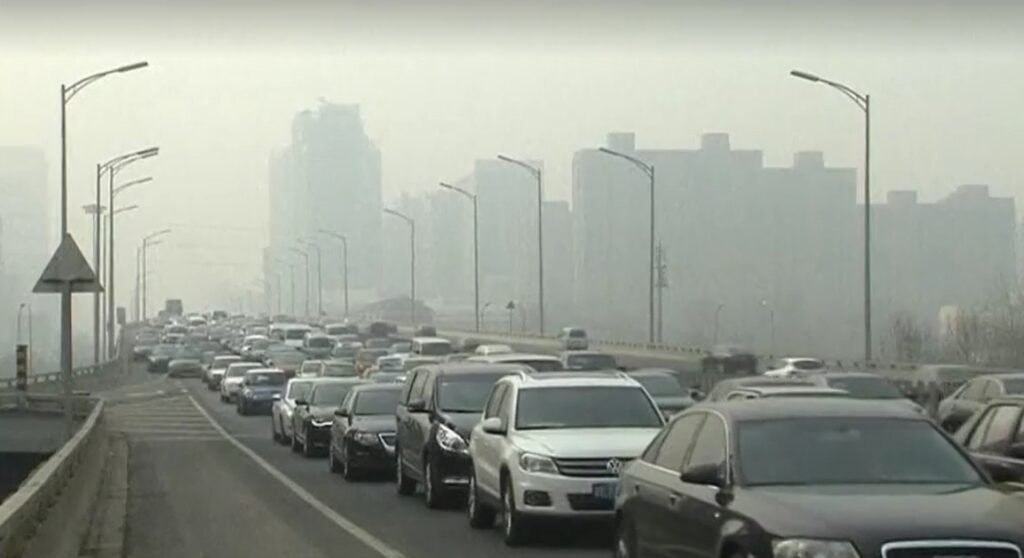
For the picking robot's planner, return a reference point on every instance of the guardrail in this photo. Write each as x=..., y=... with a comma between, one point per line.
x=12, y=383
x=24, y=510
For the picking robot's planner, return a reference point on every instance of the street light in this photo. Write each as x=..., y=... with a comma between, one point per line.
x=412, y=260
x=344, y=257
x=483, y=311
x=319, y=275
x=305, y=256
x=649, y=171
x=96, y=210
x=537, y=175
x=113, y=193
x=147, y=241
x=66, y=94
x=476, y=251
x=864, y=103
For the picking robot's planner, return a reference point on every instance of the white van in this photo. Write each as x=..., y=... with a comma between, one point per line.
x=431, y=346
x=290, y=334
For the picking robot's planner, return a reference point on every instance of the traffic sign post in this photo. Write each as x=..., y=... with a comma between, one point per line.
x=68, y=272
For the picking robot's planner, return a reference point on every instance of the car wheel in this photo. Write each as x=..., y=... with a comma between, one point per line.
x=274, y=435
x=513, y=525
x=296, y=446
x=481, y=516
x=625, y=540
x=241, y=407
x=433, y=493
x=348, y=471
x=285, y=438
x=307, y=444
x=223, y=398
x=333, y=464
x=406, y=486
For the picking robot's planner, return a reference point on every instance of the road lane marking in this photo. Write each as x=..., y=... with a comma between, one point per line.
x=356, y=531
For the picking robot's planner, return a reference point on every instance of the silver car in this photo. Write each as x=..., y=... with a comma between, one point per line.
x=281, y=412
x=232, y=382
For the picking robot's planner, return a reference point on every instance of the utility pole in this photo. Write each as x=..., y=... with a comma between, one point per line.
x=662, y=283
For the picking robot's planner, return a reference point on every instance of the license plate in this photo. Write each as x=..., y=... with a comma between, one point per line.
x=605, y=490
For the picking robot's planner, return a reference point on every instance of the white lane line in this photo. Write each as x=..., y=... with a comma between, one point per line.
x=356, y=531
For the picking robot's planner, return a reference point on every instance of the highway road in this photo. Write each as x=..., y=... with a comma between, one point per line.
x=204, y=481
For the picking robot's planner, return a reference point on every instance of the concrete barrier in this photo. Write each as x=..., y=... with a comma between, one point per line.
x=25, y=511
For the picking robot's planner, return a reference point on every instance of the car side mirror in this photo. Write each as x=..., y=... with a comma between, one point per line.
x=1016, y=450
x=708, y=475
x=340, y=413
x=417, y=406
x=301, y=403
x=494, y=425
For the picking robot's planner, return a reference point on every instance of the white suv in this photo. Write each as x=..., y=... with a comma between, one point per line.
x=552, y=445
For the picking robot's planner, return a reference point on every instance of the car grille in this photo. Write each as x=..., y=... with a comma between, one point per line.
x=950, y=549
x=589, y=502
x=591, y=467
x=388, y=439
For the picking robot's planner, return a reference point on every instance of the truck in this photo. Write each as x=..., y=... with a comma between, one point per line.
x=174, y=307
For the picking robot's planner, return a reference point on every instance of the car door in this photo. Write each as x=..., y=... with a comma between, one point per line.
x=341, y=424
x=969, y=401
x=992, y=438
x=656, y=494
x=299, y=416
x=488, y=447
x=412, y=429
x=695, y=512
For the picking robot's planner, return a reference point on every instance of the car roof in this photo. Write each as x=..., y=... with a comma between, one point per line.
x=227, y=357
x=653, y=373
x=511, y=358
x=337, y=380
x=576, y=379
x=758, y=381
x=794, y=390
x=858, y=374
x=463, y=367
x=428, y=340
x=809, y=408
x=378, y=387
x=246, y=364
x=264, y=371
x=1005, y=376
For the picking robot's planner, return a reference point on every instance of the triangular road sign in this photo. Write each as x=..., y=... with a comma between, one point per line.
x=68, y=266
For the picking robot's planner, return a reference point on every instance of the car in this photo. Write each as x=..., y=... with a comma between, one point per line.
x=573, y=339
x=995, y=438
x=469, y=344
x=317, y=345
x=387, y=377
x=378, y=343
x=552, y=445
x=768, y=478
x=538, y=362
x=309, y=369
x=400, y=348
x=764, y=392
x=254, y=347
x=430, y=346
x=390, y=363
x=233, y=376
x=438, y=407
x=954, y=410
x=143, y=346
x=283, y=408
x=864, y=385
x=337, y=369
x=286, y=358
x=160, y=357
x=492, y=349
x=346, y=349
x=215, y=373
x=728, y=385
x=336, y=330
x=260, y=388
x=184, y=368
x=795, y=366
x=363, y=432
x=312, y=417
x=412, y=361
x=366, y=358
x=425, y=331
x=289, y=333
x=729, y=360
x=663, y=385
x=585, y=361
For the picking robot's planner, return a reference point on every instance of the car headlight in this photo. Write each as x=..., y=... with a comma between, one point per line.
x=449, y=440
x=320, y=423
x=813, y=548
x=366, y=438
x=247, y=392
x=533, y=463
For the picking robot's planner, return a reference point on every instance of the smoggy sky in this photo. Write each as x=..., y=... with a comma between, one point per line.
x=444, y=83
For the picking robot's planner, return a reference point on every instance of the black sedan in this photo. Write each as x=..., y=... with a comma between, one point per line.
x=363, y=433
x=841, y=478
x=312, y=418
x=185, y=368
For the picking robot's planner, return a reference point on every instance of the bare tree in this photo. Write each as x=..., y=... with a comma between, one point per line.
x=966, y=335
x=908, y=337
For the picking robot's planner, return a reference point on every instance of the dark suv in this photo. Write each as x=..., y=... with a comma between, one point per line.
x=833, y=477
x=437, y=409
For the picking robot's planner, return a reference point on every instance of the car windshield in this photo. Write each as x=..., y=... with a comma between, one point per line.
x=435, y=348
x=866, y=387
x=661, y=386
x=585, y=407
x=591, y=362
x=319, y=342
x=339, y=369
x=331, y=394
x=822, y=451
x=239, y=371
x=299, y=390
x=295, y=333
x=377, y=402
x=466, y=393
x=265, y=378
x=577, y=334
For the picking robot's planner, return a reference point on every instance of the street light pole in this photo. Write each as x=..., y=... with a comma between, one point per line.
x=864, y=103
x=649, y=171
x=147, y=241
x=319, y=276
x=537, y=175
x=412, y=260
x=476, y=251
x=305, y=256
x=344, y=257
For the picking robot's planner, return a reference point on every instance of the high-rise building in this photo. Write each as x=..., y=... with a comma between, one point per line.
x=329, y=177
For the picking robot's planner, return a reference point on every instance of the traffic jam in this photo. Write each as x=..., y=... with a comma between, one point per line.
x=795, y=460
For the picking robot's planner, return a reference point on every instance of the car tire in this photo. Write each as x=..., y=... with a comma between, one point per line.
x=274, y=435
x=307, y=445
x=406, y=486
x=513, y=525
x=433, y=493
x=481, y=516
x=347, y=470
x=296, y=446
x=625, y=540
x=333, y=465
x=240, y=407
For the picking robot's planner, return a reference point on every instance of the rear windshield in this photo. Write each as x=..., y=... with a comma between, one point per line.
x=466, y=393
x=377, y=402
x=370, y=356
x=539, y=365
x=299, y=390
x=435, y=348
x=591, y=362
x=265, y=378
x=864, y=387
x=320, y=342
x=331, y=394
x=585, y=407
x=295, y=333
x=661, y=386
x=1014, y=386
x=577, y=333
x=239, y=371
x=339, y=369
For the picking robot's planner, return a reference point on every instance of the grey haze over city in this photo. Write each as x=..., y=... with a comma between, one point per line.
x=276, y=120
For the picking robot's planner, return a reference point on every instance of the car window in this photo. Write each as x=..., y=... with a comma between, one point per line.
x=428, y=391
x=346, y=404
x=417, y=385
x=299, y=390
x=406, y=389
x=505, y=407
x=678, y=440
x=494, y=403
x=978, y=436
x=1000, y=429
x=975, y=391
x=737, y=395
x=375, y=402
x=992, y=390
x=709, y=447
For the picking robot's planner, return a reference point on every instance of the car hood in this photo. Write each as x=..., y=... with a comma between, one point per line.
x=462, y=423
x=374, y=423
x=881, y=513
x=586, y=442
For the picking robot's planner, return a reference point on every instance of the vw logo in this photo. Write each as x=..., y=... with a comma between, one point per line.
x=614, y=466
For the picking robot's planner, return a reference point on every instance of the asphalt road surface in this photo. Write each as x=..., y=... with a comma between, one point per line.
x=204, y=481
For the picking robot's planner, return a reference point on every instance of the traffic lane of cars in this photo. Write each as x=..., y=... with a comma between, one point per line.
x=403, y=523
